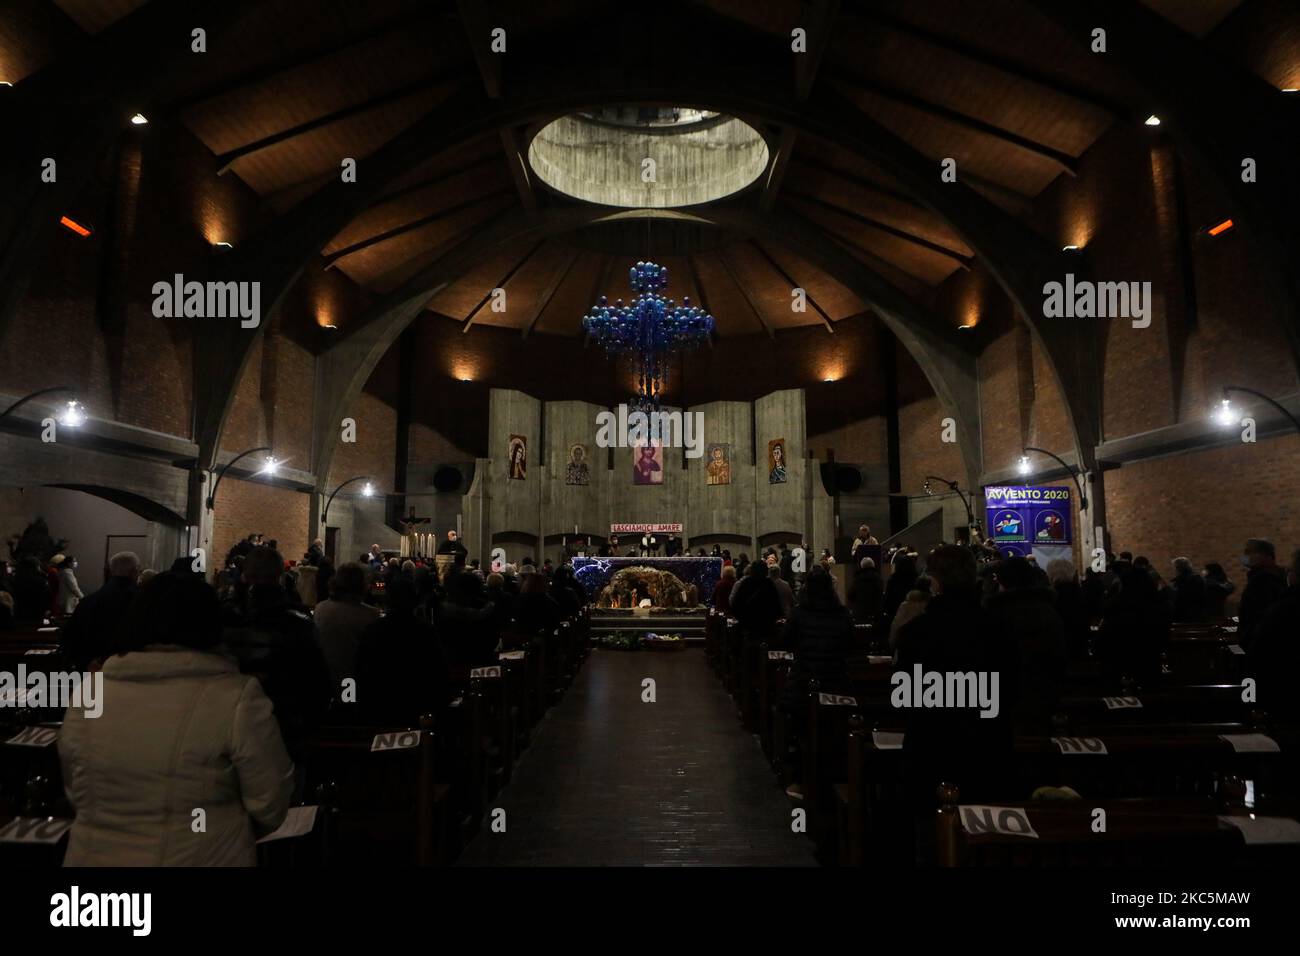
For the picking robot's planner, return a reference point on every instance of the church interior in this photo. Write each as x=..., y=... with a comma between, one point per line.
x=715, y=434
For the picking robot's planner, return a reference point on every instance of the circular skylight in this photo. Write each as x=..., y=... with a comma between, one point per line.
x=648, y=157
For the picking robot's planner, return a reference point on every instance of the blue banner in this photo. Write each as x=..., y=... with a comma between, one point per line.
x=1023, y=518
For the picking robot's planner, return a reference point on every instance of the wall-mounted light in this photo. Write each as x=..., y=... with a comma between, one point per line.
x=7, y=83
x=1225, y=414
x=222, y=246
x=72, y=225
x=269, y=467
x=139, y=119
x=1070, y=248
x=1153, y=120
x=1023, y=466
x=1220, y=228
x=73, y=415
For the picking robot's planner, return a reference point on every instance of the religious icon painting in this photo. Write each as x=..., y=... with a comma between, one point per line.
x=577, y=471
x=518, y=458
x=717, y=471
x=647, y=469
x=776, y=461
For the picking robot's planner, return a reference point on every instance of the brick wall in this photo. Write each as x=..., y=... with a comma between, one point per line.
x=1206, y=504
x=243, y=507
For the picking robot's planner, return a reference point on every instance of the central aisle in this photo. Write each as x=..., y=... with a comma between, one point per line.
x=613, y=781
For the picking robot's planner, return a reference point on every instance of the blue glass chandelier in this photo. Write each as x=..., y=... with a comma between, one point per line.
x=649, y=330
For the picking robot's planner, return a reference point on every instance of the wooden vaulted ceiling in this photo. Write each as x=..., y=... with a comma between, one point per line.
x=991, y=83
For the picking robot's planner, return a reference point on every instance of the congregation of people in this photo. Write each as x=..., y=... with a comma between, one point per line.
x=243, y=668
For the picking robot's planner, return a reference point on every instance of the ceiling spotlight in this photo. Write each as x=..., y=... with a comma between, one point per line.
x=73, y=226
x=368, y=491
x=1221, y=228
x=1153, y=120
x=271, y=466
x=926, y=487
x=73, y=415
x=1023, y=466
x=1226, y=414
x=139, y=119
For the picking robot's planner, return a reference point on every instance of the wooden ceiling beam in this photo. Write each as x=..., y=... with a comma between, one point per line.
x=962, y=260
x=258, y=75
x=548, y=294
x=749, y=297
x=474, y=312
x=229, y=158
x=333, y=257
x=996, y=61
x=1067, y=163
x=794, y=284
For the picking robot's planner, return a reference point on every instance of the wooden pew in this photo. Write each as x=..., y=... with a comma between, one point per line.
x=379, y=797
x=1137, y=833
x=873, y=804
x=774, y=670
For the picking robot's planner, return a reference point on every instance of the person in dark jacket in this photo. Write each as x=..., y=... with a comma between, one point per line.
x=1135, y=630
x=820, y=633
x=31, y=592
x=756, y=603
x=1275, y=654
x=954, y=636
x=274, y=639
x=1024, y=615
x=401, y=668
x=1265, y=586
x=866, y=593
x=1072, y=606
x=536, y=611
x=92, y=633
x=468, y=625
x=902, y=580
x=1217, y=589
x=1189, y=593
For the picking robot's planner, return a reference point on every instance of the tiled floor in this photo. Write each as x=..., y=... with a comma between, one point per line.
x=613, y=781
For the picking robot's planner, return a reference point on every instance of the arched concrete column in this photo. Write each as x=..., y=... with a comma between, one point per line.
x=342, y=371
x=1217, y=115
x=74, y=110
x=1020, y=260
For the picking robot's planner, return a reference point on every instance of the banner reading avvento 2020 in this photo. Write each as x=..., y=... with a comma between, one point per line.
x=1024, y=519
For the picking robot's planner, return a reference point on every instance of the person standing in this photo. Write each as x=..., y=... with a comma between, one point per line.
x=92, y=633
x=1265, y=586
x=69, y=590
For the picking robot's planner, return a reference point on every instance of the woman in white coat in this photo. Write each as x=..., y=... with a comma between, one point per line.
x=69, y=590
x=185, y=765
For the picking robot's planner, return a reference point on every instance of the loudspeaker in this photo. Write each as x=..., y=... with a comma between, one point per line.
x=447, y=479
x=840, y=479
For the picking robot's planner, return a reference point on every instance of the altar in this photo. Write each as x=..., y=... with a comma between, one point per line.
x=596, y=574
